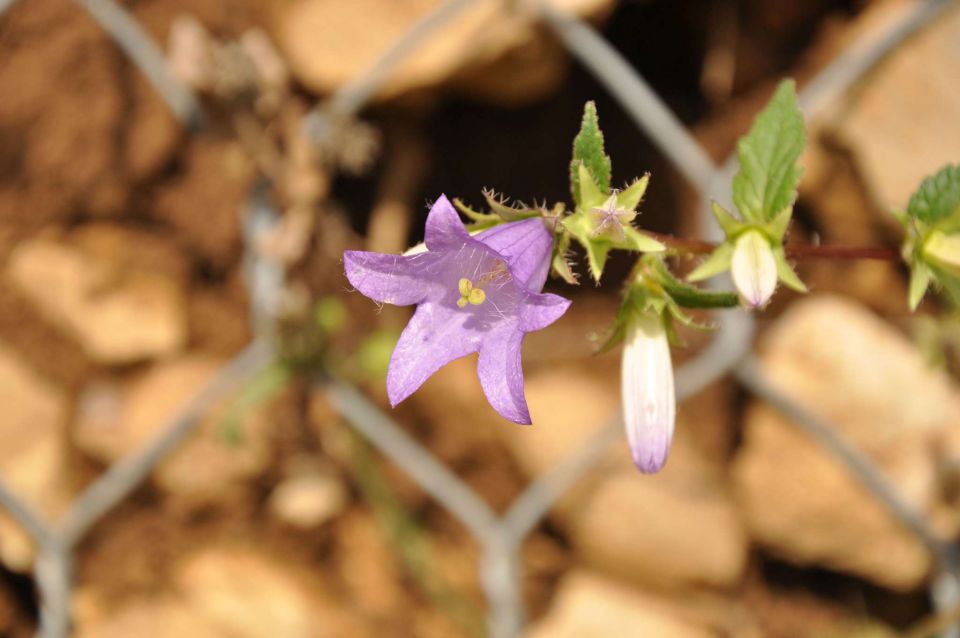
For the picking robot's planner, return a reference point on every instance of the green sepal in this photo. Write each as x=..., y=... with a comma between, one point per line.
x=560, y=266
x=578, y=225
x=688, y=296
x=777, y=228
x=640, y=242
x=629, y=198
x=505, y=212
x=767, y=180
x=591, y=196
x=731, y=225
x=480, y=221
x=718, y=262
x=785, y=271
x=920, y=277
x=588, y=151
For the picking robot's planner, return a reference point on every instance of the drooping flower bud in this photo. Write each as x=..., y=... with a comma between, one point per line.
x=649, y=403
x=754, y=269
x=943, y=250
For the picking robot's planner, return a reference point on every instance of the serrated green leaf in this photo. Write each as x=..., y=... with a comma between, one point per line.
x=938, y=196
x=629, y=198
x=767, y=180
x=588, y=150
x=785, y=271
x=718, y=262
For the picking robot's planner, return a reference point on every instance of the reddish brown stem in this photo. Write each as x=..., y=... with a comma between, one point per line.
x=794, y=251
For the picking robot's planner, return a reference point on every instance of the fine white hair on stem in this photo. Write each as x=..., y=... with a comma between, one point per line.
x=649, y=401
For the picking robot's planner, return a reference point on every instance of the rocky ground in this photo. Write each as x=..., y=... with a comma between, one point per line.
x=123, y=291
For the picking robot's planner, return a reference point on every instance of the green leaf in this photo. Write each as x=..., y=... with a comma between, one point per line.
x=689, y=296
x=938, y=196
x=767, y=180
x=716, y=263
x=588, y=150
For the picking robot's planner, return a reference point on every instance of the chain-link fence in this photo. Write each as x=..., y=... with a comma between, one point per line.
x=499, y=536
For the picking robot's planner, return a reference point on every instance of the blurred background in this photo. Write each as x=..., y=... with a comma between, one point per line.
x=178, y=178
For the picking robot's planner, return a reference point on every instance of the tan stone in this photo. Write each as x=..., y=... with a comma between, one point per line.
x=246, y=594
x=308, y=499
x=868, y=381
x=904, y=122
x=644, y=528
x=589, y=605
x=160, y=617
x=33, y=454
x=329, y=43
x=205, y=465
x=117, y=315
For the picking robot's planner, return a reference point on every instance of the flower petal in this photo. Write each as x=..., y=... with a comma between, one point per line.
x=392, y=279
x=434, y=337
x=444, y=230
x=526, y=245
x=501, y=374
x=649, y=404
x=541, y=310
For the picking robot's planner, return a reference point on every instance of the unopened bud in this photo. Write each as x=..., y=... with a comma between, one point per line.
x=943, y=250
x=649, y=403
x=754, y=269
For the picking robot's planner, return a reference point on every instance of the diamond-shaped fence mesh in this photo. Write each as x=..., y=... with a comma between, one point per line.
x=499, y=536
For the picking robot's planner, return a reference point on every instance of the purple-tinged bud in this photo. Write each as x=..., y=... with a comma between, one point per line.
x=649, y=403
x=754, y=269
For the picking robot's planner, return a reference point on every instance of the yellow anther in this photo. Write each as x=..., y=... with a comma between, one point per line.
x=469, y=294
x=477, y=296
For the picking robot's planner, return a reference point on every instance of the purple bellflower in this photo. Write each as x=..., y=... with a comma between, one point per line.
x=479, y=293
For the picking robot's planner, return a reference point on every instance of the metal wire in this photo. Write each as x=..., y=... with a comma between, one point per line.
x=500, y=537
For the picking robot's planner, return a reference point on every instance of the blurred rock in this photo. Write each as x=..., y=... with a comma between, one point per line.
x=247, y=594
x=205, y=466
x=160, y=617
x=589, y=605
x=33, y=453
x=486, y=50
x=904, y=121
x=118, y=314
x=643, y=528
x=310, y=496
x=866, y=379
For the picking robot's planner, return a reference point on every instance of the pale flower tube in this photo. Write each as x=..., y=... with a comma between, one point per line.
x=649, y=402
x=754, y=269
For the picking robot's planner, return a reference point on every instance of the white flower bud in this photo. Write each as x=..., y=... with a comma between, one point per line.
x=754, y=269
x=649, y=403
x=943, y=250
